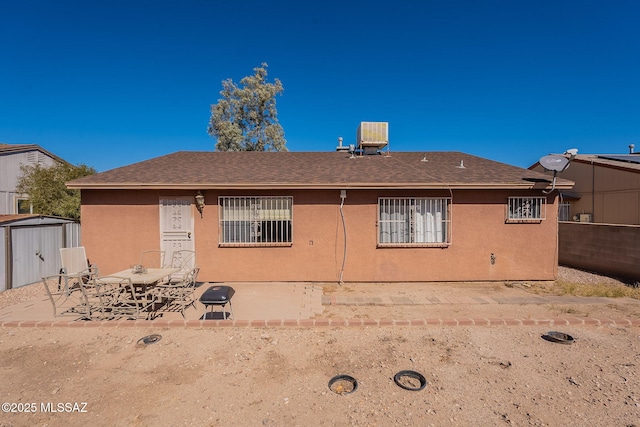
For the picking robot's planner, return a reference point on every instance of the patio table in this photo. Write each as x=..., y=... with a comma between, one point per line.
x=150, y=277
x=141, y=281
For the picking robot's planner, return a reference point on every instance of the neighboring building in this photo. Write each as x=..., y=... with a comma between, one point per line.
x=606, y=191
x=12, y=156
x=601, y=214
x=360, y=216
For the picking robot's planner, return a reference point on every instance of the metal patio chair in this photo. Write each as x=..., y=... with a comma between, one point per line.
x=178, y=296
x=75, y=263
x=99, y=297
x=66, y=296
x=152, y=259
x=185, y=260
x=110, y=298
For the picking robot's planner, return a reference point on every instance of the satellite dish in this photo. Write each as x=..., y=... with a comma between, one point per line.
x=557, y=163
x=554, y=162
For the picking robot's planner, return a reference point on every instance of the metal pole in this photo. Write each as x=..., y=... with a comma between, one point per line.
x=8, y=261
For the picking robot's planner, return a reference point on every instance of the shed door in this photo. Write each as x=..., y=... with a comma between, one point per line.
x=176, y=225
x=36, y=253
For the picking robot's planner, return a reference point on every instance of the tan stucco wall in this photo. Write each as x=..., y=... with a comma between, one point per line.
x=611, y=195
x=118, y=225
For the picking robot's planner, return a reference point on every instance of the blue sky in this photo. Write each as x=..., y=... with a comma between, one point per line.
x=112, y=83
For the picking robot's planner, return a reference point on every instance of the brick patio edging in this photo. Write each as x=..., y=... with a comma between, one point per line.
x=334, y=322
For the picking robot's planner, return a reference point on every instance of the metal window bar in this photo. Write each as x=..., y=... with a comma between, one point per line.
x=255, y=220
x=564, y=212
x=526, y=208
x=419, y=221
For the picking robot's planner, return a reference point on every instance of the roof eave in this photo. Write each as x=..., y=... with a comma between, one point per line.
x=24, y=148
x=320, y=186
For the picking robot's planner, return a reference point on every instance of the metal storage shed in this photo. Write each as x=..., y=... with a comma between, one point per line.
x=30, y=247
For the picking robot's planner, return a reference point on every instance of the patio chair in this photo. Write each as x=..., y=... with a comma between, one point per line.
x=132, y=303
x=110, y=298
x=66, y=296
x=75, y=263
x=98, y=297
x=152, y=259
x=185, y=260
x=179, y=295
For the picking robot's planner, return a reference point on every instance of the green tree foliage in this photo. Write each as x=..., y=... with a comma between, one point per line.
x=47, y=191
x=245, y=118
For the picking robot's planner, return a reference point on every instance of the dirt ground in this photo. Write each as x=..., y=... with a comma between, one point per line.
x=476, y=376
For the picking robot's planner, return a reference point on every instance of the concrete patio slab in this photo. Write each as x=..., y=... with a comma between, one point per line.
x=309, y=304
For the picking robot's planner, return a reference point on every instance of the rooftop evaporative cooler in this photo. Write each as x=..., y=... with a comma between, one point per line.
x=372, y=136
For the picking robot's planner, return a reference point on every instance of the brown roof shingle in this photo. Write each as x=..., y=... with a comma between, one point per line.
x=188, y=169
x=21, y=148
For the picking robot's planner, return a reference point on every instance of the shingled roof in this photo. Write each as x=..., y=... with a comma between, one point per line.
x=320, y=170
x=611, y=161
x=21, y=148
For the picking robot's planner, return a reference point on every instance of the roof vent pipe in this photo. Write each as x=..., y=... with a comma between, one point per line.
x=631, y=148
x=340, y=147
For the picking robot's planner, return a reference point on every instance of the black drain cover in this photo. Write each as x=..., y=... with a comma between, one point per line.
x=150, y=339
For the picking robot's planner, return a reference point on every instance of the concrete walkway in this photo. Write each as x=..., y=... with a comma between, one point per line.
x=303, y=304
x=391, y=300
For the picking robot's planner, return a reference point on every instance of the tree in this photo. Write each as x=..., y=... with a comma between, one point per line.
x=245, y=118
x=47, y=191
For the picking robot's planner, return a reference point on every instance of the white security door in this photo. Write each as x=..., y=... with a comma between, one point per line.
x=176, y=225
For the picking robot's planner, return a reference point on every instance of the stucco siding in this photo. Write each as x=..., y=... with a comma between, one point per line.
x=118, y=225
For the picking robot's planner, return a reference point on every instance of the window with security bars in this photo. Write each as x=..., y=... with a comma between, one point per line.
x=564, y=212
x=414, y=221
x=526, y=209
x=256, y=221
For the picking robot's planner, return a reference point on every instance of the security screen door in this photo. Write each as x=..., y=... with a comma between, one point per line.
x=176, y=225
